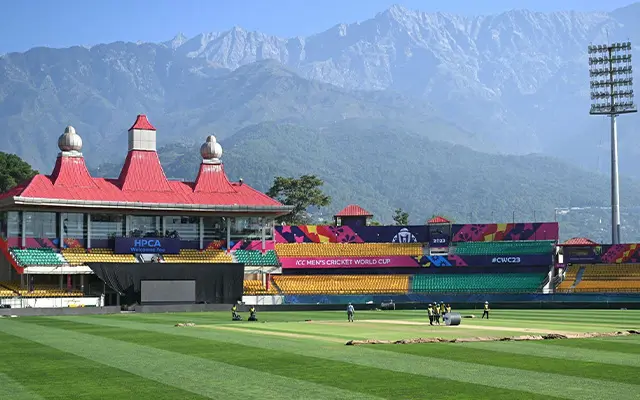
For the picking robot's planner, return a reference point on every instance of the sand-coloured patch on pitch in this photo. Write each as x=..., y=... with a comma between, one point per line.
x=467, y=326
x=551, y=336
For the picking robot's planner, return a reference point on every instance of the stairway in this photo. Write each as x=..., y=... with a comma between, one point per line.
x=275, y=285
x=578, y=277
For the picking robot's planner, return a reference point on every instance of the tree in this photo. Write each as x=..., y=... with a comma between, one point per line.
x=401, y=217
x=301, y=193
x=13, y=171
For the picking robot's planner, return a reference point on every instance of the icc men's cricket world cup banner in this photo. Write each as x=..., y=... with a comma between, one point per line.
x=350, y=262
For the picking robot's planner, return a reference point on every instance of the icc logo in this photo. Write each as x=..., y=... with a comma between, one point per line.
x=404, y=236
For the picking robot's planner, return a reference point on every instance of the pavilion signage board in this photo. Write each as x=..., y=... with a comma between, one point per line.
x=439, y=240
x=147, y=246
x=519, y=260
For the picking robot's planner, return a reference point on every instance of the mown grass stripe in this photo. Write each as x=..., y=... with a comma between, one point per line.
x=618, y=346
x=499, y=377
x=626, y=339
x=365, y=379
x=528, y=362
x=189, y=373
x=10, y=389
x=54, y=374
x=545, y=350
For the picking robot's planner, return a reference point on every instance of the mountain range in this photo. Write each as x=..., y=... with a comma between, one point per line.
x=427, y=111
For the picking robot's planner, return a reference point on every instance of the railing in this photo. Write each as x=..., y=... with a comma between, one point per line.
x=52, y=302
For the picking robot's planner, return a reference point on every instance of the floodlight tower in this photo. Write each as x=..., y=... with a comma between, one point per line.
x=611, y=84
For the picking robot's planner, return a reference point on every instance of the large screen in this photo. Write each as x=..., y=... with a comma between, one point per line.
x=182, y=291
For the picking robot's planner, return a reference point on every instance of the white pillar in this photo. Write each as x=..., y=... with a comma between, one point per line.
x=228, y=233
x=201, y=234
x=23, y=230
x=263, y=232
x=615, y=184
x=60, y=218
x=88, y=244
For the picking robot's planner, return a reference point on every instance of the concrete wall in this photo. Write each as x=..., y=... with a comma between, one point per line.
x=263, y=300
x=183, y=308
x=50, y=312
x=52, y=302
x=6, y=269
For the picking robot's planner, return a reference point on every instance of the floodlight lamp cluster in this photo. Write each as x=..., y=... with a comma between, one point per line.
x=611, y=80
x=619, y=107
x=603, y=48
x=608, y=83
x=608, y=60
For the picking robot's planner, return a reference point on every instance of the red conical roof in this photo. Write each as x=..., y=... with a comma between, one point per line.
x=71, y=172
x=142, y=123
x=212, y=179
x=353, y=210
x=579, y=241
x=438, y=220
x=142, y=172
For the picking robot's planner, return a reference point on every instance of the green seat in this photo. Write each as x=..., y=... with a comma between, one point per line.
x=37, y=256
x=507, y=248
x=478, y=283
x=256, y=257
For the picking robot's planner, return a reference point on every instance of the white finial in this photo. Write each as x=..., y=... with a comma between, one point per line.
x=211, y=150
x=70, y=140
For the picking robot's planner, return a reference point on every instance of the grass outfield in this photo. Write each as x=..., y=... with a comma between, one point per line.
x=129, y=356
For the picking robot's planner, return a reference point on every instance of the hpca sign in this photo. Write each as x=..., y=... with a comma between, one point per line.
x=147, y=246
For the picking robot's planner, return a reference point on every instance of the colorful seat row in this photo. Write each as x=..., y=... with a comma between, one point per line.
x=348, y=249
x=508, y=248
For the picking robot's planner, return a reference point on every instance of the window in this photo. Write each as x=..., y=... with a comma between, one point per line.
x=214, y=229
x=246, y=228
x=145, y=226
x=73, y=225
x=40, y=224
x=268, y=230
x=14, y=224
x=187, y=228
x=104, y=226
x=3, y=224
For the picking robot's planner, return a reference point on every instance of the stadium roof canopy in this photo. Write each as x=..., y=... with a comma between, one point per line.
x=353, y=210
x=438, y=220
x=142, y=183
x=579, y=241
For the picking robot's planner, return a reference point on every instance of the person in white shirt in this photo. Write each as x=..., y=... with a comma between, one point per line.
x=350, y=311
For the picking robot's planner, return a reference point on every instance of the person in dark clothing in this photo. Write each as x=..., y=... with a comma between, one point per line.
x=436, y=314
x=252, y=314
x=486, y=310
x=234, y=314
x=430, y=312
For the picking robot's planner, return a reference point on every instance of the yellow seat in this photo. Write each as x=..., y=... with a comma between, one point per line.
x=197, y=256
x=342, y=284
x=604, y=278
x=38, y=291
x=348, y=249
x=254, y=287
x=80, y=256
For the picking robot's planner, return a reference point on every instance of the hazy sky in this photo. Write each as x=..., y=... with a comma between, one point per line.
x=60, y=23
